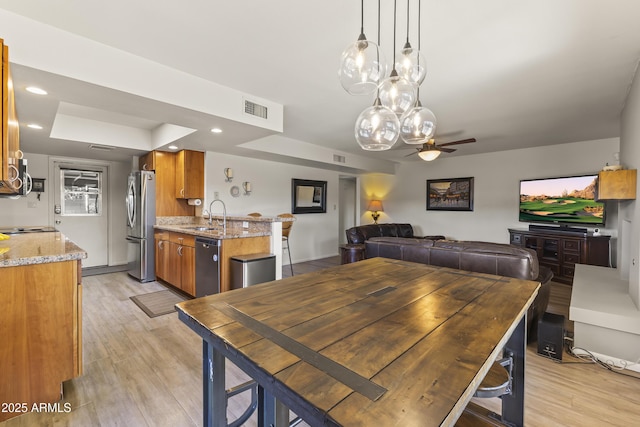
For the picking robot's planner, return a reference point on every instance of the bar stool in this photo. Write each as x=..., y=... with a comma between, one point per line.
x=286, y=229
x=255, y=214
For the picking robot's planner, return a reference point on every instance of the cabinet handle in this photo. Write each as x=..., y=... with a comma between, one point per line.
x=182, y=192
x=160, y=244
x=180, y=250
x=144, y=167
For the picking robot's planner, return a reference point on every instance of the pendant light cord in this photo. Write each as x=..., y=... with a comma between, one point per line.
x=395, y=2
x=362, y=17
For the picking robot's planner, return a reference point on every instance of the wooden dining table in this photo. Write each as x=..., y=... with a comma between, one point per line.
x=379, y=342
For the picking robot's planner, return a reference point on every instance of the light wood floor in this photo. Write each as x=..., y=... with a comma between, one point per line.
x=141, y=371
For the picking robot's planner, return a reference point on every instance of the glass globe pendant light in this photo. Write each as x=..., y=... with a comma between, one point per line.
x=417, y=125
x=396, y=92
x=377, y=128
x=362, y=65
x=411, y=64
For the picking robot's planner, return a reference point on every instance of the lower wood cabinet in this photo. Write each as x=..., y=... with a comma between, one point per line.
x=175, y=260
x=41, y=330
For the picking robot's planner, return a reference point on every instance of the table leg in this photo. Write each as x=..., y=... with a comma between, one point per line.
x=513, y=404
x=271, y=412
x=214, y=391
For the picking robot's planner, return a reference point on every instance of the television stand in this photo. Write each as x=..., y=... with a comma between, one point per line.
x=562, y=250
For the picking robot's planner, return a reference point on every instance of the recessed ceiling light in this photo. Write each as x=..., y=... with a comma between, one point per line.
x=216, y=130
x=36, y=90
x=172, y=147
x=34, y=126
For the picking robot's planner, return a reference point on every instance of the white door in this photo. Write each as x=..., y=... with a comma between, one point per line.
x=80, y=201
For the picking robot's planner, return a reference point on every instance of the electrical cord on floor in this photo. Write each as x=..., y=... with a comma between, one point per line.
x=587, y=357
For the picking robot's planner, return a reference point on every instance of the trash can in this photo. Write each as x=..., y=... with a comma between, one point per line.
x=247, y=270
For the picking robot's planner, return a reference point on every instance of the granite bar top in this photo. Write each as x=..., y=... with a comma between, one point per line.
x=214, y=232
x=237, y=226
x=38, y=248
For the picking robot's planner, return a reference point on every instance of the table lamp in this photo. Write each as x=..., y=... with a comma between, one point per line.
x=375, y=206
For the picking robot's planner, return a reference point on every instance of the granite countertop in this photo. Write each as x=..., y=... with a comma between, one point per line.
x=38, y=248
x=237, y=226
x=211, y=232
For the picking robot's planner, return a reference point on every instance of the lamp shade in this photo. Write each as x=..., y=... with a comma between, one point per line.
x=377, y=128
x=418, y=125
x=375, y=206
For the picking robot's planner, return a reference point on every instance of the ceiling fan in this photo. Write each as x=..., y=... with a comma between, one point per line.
x=430, y=150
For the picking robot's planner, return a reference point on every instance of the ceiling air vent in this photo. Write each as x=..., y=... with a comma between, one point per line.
x=338, y=158
x=255, y=109
x=100, y=147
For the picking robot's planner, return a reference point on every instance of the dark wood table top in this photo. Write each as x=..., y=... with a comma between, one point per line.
x=377, y=342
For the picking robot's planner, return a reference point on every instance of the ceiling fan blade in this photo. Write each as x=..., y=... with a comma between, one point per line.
x=462, y=141
x=447, y=150
x=415, y=152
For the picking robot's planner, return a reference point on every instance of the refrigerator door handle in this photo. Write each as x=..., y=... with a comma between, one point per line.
x=131, y=204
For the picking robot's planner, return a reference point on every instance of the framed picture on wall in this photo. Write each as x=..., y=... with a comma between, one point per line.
x=454, y=194
x=308, y=196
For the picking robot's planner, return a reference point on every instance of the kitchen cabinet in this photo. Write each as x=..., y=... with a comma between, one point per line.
x=10, y=145
x=190, y=174
x=175, y=260
x=41, y=326
x=617, y=185
x=164, y=165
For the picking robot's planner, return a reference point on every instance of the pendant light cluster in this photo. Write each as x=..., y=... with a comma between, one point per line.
x=396, y=111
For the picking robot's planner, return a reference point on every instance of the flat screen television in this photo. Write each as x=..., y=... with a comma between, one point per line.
x=564, y=201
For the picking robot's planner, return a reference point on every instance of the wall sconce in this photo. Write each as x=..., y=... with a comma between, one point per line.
x=375, y=206
x=228, y=173
x=247, y=188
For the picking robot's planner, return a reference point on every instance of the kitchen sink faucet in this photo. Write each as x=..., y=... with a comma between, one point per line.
x=224, y=215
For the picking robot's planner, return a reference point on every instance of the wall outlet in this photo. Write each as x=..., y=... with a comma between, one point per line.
x=216, y=195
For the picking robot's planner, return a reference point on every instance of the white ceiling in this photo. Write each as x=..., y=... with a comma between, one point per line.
x=512, y=74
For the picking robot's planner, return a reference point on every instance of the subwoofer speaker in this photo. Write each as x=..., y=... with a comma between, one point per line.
x=551, y=336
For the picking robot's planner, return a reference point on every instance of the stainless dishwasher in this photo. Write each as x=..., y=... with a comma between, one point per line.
x=207, y=266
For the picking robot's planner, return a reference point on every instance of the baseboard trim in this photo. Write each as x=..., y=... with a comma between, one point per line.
x=103, y=269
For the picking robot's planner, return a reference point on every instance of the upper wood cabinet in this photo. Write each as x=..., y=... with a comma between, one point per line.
x=190, y=174
x=148, y=161
x=10, y=145
x=617, y=185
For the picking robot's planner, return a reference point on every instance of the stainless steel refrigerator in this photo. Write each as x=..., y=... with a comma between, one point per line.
x=141, y=216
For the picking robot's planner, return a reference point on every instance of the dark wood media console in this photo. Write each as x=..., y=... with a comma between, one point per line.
x=561, y=249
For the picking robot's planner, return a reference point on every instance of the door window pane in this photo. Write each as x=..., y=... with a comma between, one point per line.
x=81, y=192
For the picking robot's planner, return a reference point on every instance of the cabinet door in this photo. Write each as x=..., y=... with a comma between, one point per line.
x=190, y=175
x=162, y=258
x=188, y=270
x=174, y=265
x=147, y=162
x=9, y=145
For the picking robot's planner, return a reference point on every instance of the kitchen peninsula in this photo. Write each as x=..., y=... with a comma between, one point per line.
x=244, y=235
x=40, y=321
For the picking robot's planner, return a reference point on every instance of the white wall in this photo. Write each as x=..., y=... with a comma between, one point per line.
x=313, y=235
x=629, y=212
x=29, y=210
x=496, y=188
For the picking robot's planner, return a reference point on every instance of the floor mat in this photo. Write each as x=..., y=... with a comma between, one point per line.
x=158, y=303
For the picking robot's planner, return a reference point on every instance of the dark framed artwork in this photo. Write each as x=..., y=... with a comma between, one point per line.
x=454, y=194
x=308, y=196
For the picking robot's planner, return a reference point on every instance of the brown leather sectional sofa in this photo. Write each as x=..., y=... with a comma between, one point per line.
x=397, y=241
